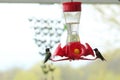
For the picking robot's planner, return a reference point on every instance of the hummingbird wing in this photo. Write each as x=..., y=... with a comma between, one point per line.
x=99, y=55
x=47, y=57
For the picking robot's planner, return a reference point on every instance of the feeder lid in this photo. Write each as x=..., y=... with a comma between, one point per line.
x=71, y=6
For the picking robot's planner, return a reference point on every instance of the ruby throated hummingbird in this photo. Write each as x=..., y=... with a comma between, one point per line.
x=98, y=54
x=47, y=55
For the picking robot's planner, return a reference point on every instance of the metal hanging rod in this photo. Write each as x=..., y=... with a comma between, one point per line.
x=59, y=1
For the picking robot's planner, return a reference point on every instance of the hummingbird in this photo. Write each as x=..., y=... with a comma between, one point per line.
x=98, y=54
x=47, y=55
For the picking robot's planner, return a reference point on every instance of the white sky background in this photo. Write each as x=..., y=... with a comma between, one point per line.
x=17, y=47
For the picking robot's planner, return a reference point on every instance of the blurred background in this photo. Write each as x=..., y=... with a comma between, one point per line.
x=27, y=29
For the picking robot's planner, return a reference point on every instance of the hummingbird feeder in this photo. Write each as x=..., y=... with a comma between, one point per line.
x=73, y=49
